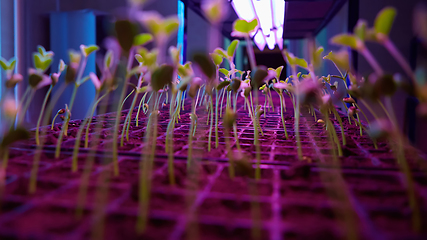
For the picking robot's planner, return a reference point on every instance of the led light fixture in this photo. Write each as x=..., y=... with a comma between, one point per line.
x=270, y=15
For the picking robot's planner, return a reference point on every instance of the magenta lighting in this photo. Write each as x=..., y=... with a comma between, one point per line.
x=270, y=15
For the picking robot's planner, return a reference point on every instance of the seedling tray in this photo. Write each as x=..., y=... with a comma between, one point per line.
x=296, y=199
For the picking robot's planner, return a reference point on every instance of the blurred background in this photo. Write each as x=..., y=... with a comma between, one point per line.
x=59, y=25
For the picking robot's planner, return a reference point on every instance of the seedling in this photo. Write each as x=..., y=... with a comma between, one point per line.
x=74, y=74
x=294, y=62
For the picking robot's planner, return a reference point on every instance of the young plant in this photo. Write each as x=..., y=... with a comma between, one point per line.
x=279, y=87
x=228, y=122
x=175, y=86
x=75, y=74
x=209, y=69
x=243, y=28
x=54, y=77
x=217, y=59
x=160, y=78
x=294, y=62
x=383, y=85
x=106, y=83
x=37, y=79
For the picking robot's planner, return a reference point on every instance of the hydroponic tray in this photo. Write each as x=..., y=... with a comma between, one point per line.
x=296, y=199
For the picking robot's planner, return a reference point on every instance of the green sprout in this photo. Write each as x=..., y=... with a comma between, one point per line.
x=74, y=75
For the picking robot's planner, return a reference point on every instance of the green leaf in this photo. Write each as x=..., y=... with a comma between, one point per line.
x=171, y=25
x=46, y=64
x=258, y=76
x=87, y=50
x=317, y=57
x=75, y=57
x=384, y=20
x=142, y=39
x=222, y=85
x=143, y=89
x=345, y=40
x=182, y=72
x=139, y=58
x=360, y=29
x=41, y=50
x=232, y=48
x=175, y=54
x=125, y=32
x=14, y=135
x=161, y=77
x=61, y=66
x=12, y=63
x=108, y=59
x=235, y=85
x=206, y=65
x=37, y=59
x=182, y=85
x=185, y=70
x=221, y=52
x=278, y=72
x=340, y=58
x=245, y=27
x=40, y=62
x=214, y=10
x=290, y=58
x=4, y=64
x=149, y=58
x=301, y=62
x=216, y=58
x=224, y=71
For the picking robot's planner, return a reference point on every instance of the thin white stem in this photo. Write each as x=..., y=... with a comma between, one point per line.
x=388, y=44
x=372, y=61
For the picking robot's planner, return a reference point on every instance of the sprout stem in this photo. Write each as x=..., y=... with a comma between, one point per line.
x=216, y=119
x=24, y=96
x=372, y=61
x=79, y=134
x=126, y=124
x=25, y=108
x=119, y=113
x=400, y=155
x=53, y=121
x=91, y=116
x=169, y=139
x=34, y=170
x=281, y=115
x=46, y=97
x=222, y=100
x=64, y=130
x=388, y=44
x=190, y=134
x=235, y=124
x=229, y=154
x=146, y=165
x=344, y=142
x=386, y=112
x=210, y=127
x=297, y=113
x=367, y=120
